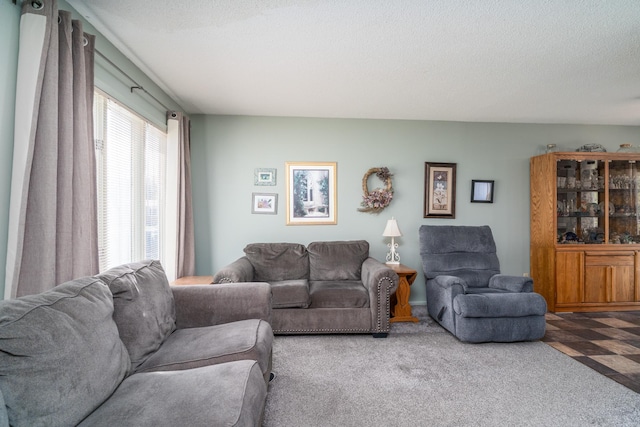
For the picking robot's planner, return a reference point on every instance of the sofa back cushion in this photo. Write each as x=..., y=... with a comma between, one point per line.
x=60, y=353
x=468, y=252
x=340, y=260
x=278, y=261
x=143, y=307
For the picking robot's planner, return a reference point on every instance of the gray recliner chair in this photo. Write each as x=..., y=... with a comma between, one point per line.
x=466, y=293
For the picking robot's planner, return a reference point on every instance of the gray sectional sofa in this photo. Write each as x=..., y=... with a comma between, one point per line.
x=125, y=348
x=326, y=287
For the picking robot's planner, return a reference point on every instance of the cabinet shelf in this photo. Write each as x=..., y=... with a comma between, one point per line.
x=586, y=215
x=579, y=190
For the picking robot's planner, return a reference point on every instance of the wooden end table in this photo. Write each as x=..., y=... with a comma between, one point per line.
x=193, y=280
x=402, y=309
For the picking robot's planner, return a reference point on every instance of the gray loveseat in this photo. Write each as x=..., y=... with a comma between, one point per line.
x=125, y=348
x=326, y=287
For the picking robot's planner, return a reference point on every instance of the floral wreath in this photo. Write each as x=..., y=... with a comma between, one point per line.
x=378, y=199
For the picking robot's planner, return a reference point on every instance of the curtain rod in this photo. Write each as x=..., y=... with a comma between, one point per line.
x=131, y=88
x=137, y=85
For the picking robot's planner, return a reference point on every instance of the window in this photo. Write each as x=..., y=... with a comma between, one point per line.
x=130, y=162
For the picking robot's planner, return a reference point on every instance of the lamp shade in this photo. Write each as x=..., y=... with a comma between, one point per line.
x=392, y=230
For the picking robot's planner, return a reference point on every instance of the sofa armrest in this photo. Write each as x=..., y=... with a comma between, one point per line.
x=381, y=282
x=511, y=283
x=206, y=305
x=373, y=272
x=444, y=289
x=240, y=270
x=441, y=291
x=450, y=284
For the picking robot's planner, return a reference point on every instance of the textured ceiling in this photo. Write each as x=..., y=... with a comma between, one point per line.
x=533, y=61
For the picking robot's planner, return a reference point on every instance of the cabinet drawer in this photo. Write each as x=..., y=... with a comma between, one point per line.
x=612, y=260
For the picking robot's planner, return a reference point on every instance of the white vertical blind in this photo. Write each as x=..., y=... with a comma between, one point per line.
x=130, y=158
x=154, y=188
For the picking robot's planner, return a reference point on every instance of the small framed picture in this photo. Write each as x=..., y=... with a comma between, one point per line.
x=439, y=190
x=481, y=191
x=264, y=176
x=311, y=193
x=264, y=203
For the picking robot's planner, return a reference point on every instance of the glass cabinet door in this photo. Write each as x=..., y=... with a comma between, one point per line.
x=624, y=183
x=580, y=201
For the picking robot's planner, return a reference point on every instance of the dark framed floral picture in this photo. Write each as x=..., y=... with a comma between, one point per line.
x=311, y=193
x=439, y=190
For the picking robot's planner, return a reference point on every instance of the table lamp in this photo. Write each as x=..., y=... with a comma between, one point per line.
x=392, y=230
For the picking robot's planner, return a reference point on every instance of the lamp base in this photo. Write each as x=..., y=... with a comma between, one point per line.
x=393, y=257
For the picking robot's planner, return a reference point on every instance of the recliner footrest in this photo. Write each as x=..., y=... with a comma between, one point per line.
x=500, y=305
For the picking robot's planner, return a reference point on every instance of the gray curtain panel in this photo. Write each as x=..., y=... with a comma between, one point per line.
x=185, y=247
x=53, y=221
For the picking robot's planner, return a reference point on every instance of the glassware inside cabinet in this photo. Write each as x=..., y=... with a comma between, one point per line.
x=580, y=201
x=624, y=184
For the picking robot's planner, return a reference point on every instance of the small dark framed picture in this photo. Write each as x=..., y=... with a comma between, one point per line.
x=264, y=203
x=481, y=191
x=439, y=190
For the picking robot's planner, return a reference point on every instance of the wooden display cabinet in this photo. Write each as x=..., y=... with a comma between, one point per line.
x=585, y=230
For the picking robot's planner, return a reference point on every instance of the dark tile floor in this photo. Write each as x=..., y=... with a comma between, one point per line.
x=606, y=342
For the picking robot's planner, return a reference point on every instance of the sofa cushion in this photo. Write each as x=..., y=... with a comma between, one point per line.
x=278, y=261
x=337, y=260
x=508, y=304
x=229, y=394
x=60, y=353
x=290, y=294
x=210, y=345
x=143, y=307
x=338, y=294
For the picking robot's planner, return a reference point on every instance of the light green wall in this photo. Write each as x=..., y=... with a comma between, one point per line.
x=227, y=149
x=9, y=30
